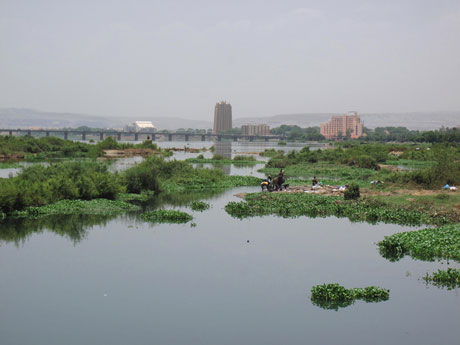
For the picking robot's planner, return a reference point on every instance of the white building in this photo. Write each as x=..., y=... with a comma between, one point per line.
x=141, y=126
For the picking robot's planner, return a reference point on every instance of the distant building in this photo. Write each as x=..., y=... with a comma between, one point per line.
x=141, y=126
x=248, y=129
x=343, y=125
x=222, y=117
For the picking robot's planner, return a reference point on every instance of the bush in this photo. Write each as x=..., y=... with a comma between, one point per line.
x=352, y=193
x=40, y=185
x=142, y=177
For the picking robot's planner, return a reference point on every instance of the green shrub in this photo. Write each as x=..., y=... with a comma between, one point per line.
x=40, y=185
x=142, y=177
x=352, y=192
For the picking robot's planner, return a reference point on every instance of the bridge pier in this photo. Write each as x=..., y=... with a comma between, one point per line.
x=235, y=138
x=251, y=139
x=83, y=136
x=186, y=137
x=66, y=135
x=136, y=136
x=169, y=137
x=101, y=136
x=153, y=137
x=11, y=132
x=203, y=138
x=29, y=133
x=266, y=139
x=118, y=136
x=219, y=138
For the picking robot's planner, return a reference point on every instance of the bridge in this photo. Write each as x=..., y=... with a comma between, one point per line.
x=135, y=136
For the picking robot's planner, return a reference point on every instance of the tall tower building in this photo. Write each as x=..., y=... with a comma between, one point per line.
x=222, y=117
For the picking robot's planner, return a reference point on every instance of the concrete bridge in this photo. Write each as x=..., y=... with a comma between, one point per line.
x=135, y=136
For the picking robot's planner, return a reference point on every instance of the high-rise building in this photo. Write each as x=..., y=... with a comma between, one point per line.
x=222, y=117
x=255, y=130
x=343, y=125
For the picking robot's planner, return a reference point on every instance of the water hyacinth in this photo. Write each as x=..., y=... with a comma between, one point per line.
x=300, y=204
x=427, y=244
x=199, y=205
x=449, y=278
x=334, y=296
x=167, y=216
x=95, y=206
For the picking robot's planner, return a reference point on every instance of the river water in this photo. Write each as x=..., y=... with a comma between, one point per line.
x=120, y=280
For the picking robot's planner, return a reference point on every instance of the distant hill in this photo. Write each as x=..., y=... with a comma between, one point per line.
x=24, y=118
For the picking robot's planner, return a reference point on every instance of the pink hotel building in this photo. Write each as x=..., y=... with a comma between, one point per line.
x=343, y=124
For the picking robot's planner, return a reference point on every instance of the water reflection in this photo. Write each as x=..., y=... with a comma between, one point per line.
x=75, y=227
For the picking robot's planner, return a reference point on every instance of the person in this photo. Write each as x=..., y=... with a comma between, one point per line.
x=280, y=180
x=266, y=183
x=314, y=182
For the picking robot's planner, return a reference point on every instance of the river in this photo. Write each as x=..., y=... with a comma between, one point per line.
x=120, y=280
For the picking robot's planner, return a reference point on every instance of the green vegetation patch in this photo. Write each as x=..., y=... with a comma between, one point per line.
x=96, y=207
x=334, y=296
x=207, y=179
x=311, y=205
x=444, y=203
x=167, y=216
x=9, y=165
x=199, y=205
x=427, y=244
x=40, y=185
x=449, y=278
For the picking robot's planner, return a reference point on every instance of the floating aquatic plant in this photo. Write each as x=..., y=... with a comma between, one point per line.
x=311, y=205
x=199, y=205
x=166, y=216
x=427, y=244
x=334, y=296
x=449, y=278
x=95, y=206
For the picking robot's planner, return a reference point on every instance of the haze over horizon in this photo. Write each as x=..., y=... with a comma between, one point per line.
x=177, y=59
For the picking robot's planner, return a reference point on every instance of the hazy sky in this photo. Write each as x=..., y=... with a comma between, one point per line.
x=178, y=58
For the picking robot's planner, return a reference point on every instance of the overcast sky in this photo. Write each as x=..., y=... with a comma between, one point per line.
x=178, y=58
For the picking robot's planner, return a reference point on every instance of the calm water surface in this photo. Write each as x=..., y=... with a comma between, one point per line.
x=120, y=280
